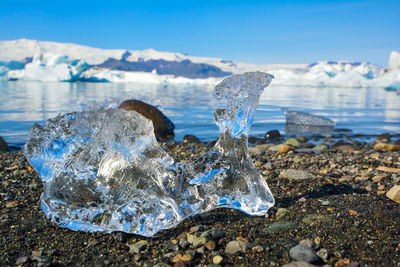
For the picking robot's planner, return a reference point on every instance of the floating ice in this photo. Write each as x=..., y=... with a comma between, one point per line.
x=50, y=67
x=105, y=171
x=302, y=118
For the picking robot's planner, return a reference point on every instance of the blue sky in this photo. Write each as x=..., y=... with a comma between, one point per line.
x=247, y=31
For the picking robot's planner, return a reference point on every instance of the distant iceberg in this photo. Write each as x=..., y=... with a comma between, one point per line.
x=50, y=67
x=394, y=60
x=70, y=62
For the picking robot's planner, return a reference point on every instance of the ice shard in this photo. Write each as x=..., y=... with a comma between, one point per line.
x=105, y=171
x=303, y=118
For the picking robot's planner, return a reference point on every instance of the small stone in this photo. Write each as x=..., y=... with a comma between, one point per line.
x=181, y=236
x=303, y=253
x=200, y=250
x=346, y=148
x=217, y=234
x=138, y=246
x=184, y=244
x=280, y=227
x=12, y=204
x=197, y=228
x=268, y=166
x=321, y=147
x=307, y=242
x=379, y=178
x=342, y=262
x=353, y=212
x=314, y=219
x=273, y=135
x=235, y=247
x=296, y=174
x=282, y=212
x=346, y=179
x=317, y=240
x=22, y=260
x=323, y=254
x=394, y=193
x=302, y=200
x=368, y=188
x=293, y=142
x=190, y=139
x=199, y=241
x=283, y=148
x=325, y=203
x=179, y=257
x=191, y=238
x=387, y=169
x=257, y=249
x=210, y=245
x=217, y=259
x=386, y=147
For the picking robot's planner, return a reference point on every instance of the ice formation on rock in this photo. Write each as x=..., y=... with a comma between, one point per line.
x=105, y=171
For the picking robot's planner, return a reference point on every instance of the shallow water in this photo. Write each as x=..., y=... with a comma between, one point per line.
x=367, y=111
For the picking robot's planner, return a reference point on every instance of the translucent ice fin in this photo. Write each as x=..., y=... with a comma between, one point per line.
x=105, y=171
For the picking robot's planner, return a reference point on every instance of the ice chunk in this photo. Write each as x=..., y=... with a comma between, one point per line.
x=105, y=171
x=302, y=118
x=394, y=60
x=50, y=68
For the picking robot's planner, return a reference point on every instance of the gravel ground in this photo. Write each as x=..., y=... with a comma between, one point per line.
x=332, y=202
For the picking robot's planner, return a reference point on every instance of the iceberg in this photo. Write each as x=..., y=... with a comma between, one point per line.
x=50, y=67
x=100, y=69
x=394, y=60
x=105, y=171
x=303, y=118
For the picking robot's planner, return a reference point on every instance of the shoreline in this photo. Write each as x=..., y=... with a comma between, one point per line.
x=333, y=200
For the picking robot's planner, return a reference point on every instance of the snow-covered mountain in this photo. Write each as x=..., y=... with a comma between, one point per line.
x=51, y=61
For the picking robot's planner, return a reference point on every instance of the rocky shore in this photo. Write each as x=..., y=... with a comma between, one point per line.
x=337, y=204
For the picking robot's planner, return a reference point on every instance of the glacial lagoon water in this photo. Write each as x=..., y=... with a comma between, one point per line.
x=367, y=111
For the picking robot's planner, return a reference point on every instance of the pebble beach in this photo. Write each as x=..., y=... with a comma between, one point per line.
x=337, y=204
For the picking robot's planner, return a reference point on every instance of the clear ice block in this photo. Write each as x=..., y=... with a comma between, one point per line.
x=105, y=171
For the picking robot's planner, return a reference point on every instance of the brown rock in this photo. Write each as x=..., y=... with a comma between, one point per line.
x=179, y=257
x=346, y=148
x=163, y=127
x=386, y=147
x=394, y=193
x=388, y=169
x=283, y=148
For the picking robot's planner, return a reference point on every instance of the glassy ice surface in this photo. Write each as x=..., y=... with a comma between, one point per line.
x=302, y=118
x=105, y=171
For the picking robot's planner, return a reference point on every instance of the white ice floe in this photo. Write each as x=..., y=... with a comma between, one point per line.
x=116, y=76
x=66, y=62
x=394, y=60
x=50, y=68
